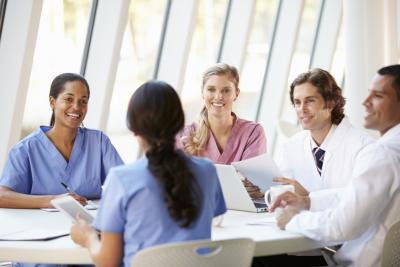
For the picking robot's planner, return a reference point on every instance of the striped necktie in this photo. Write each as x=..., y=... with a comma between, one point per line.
x=319, y=158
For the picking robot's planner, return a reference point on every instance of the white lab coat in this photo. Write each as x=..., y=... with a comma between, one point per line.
x=297, y=161
x=369, y=206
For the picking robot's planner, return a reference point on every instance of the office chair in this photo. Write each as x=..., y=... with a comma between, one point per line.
x=232, y=252
x=391, y=247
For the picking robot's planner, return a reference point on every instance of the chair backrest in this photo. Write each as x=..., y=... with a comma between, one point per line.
x=231, y=252
x=391, y=247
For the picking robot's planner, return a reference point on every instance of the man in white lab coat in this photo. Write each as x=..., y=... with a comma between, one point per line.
x=322, y=156
x=370, y=204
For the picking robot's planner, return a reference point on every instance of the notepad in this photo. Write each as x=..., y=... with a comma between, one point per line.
x=34, y=235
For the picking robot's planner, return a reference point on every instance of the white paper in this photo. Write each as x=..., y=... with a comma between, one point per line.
x=259, y=170
x=264, y=221
x=91, y=205
x=34, y=235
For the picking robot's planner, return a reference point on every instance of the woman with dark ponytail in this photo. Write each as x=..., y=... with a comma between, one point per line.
x=61, y=159
x=166, y=196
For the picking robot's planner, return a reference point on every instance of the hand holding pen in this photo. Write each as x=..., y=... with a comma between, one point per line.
x=71, y=193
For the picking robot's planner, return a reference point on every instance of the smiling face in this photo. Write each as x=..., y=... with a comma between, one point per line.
x=382, y=106
x=70, y=106
x=219, y=92
x=312, y=111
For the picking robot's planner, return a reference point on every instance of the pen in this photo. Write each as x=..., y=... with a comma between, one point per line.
x=67, y=188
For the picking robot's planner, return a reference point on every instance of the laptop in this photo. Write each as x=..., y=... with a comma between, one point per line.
x=235, y=194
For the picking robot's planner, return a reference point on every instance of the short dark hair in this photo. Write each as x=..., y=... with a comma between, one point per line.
x=57, y=87
x=155, y=113
x=394, y=71
x=327, y=87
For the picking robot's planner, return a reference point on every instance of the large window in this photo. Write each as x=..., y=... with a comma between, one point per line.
x=2, y=12
x=203, y=53
x=338, y=62
x=302, y=53
x=256, y=57
x=59, y=48
x=136, y=65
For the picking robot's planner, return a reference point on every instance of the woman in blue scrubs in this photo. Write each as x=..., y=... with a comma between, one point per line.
x=166, y=196
x=63, y=159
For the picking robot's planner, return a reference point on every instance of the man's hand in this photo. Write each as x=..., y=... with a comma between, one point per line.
x=292, y=199
x=253, y=190
x=284, y=215
x=298, y=188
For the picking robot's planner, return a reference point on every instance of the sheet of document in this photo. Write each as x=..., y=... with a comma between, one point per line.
x=91, y=205
x=259, y=170
x=271, y=221
x=33, y=235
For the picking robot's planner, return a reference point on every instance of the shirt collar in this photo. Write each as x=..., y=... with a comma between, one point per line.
x=327, y=139
x=390, y=133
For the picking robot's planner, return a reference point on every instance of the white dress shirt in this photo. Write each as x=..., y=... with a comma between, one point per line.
x=369, y=206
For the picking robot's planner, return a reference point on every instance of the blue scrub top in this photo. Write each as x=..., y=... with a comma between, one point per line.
x=133, y=205
x=36, y=167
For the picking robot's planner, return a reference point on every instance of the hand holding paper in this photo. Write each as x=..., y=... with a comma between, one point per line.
x=259, y=170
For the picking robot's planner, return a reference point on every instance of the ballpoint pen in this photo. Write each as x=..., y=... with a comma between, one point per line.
x=67, y=188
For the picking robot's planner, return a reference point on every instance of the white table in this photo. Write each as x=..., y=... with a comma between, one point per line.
x=269, y=239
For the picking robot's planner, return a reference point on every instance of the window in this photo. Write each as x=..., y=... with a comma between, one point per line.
x=256, y=57
x=203, y=53
x=302, y=53
x=338, y=62
x=136, y=65
x=2, y=13
x=59, y=48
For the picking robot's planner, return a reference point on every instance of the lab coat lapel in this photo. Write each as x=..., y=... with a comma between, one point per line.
x=337, y=137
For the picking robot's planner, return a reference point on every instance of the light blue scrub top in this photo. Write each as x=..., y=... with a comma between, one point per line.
x=36, y=167
x=133, y=205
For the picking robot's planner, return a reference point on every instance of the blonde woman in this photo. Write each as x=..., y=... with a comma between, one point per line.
x=220, y=134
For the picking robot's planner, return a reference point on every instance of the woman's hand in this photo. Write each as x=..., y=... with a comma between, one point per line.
x=80, y=199
x=298, y=188
x=81, y=232
x=190, y=144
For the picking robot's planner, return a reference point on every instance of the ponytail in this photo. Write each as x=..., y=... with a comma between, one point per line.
x=202, y=134
x=155, y=114
x=170, y=168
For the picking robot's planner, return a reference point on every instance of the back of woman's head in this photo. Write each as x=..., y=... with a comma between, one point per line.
x=155, y=114
x=58, y=86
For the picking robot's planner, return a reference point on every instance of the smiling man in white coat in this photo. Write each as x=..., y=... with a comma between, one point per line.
x=370, y=204
x=322, y=155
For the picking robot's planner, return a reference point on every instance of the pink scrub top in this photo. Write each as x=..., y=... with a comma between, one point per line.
x=247, y=140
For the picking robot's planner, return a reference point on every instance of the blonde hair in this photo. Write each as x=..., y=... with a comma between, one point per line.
x=202, y=133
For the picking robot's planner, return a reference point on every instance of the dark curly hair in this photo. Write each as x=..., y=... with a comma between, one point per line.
x=155, y=114
x=394, y=71
x=328, y=89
